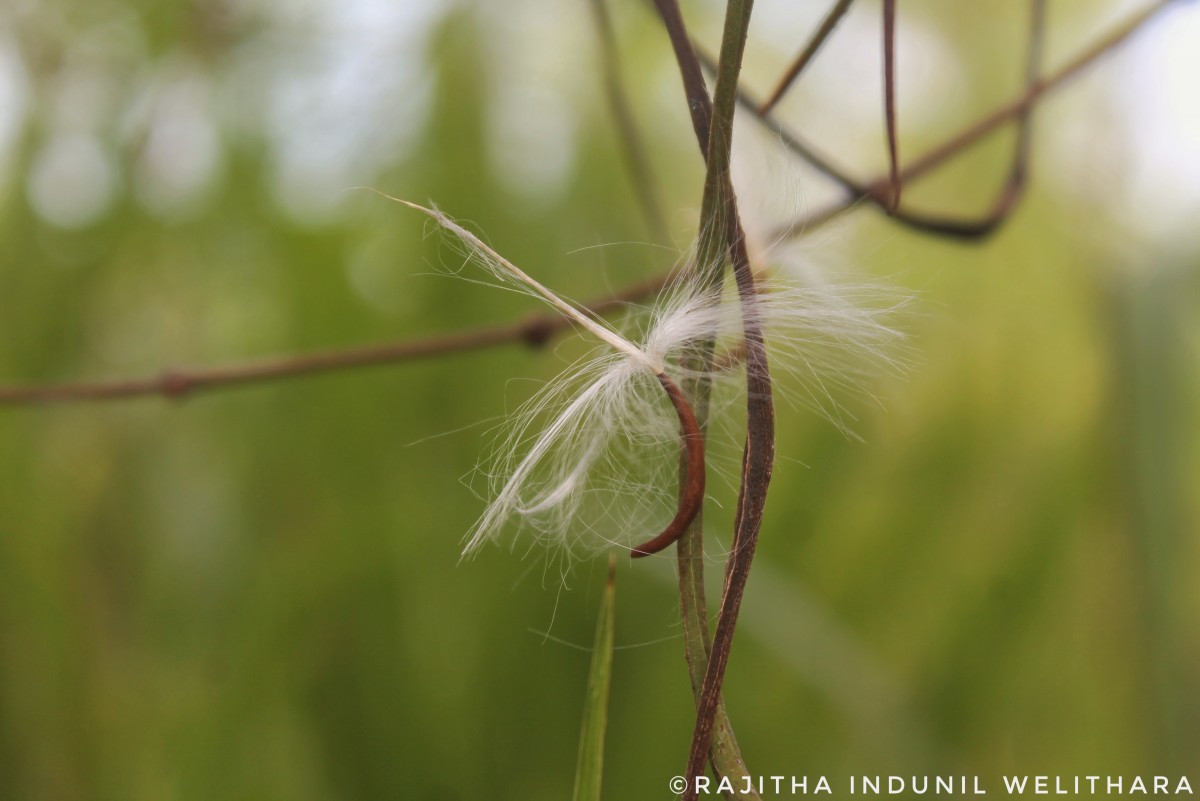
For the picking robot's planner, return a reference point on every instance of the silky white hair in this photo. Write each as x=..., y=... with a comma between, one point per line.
x=590, y=461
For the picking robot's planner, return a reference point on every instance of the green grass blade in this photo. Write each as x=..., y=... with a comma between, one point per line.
x=589, y=769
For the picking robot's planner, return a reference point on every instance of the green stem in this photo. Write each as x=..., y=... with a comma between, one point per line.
x=721, y=234
x=718, y=190
x=721, y=239
x=724, y=752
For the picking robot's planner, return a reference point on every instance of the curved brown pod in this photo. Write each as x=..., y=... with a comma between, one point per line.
x=692, y=494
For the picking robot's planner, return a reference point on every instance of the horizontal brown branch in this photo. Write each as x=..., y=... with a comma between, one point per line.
x=181, y=382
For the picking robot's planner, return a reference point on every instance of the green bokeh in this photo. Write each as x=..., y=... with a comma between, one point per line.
x=257, y=593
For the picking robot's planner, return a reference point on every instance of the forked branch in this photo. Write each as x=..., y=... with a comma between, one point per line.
x=806, y=55
x=875, y=190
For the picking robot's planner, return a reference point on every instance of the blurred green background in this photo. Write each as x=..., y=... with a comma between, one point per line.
x=257, y=593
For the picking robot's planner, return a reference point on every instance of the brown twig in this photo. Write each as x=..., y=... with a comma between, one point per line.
x=823, y=164
x=707, y=654
x=889, y=102
x=1010, y=192
x=806, y=55
x=720, y=204
x=758, y=460
x=699, y=103
x=1013, y=188
x=180, y=383
x=691, y=495
x=874, y=191
x=725, y=754
x=633, y=149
